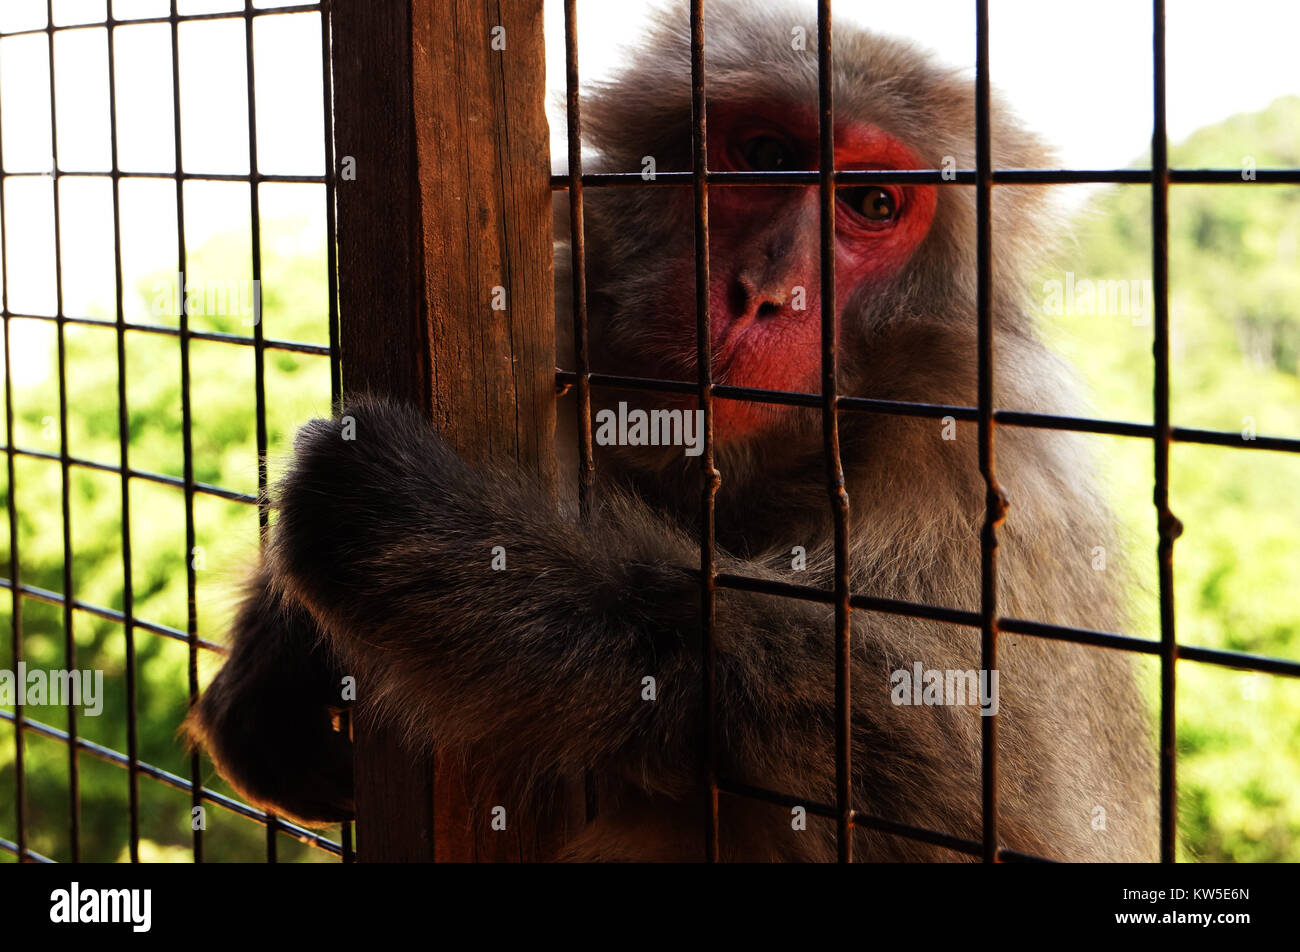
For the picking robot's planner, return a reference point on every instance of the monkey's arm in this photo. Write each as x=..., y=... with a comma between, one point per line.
x=265, y=718
x=389, y=539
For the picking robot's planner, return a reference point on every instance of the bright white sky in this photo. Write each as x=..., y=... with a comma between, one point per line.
x=1079, y=71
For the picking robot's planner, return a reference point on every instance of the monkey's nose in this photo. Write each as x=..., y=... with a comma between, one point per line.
x=751, y=302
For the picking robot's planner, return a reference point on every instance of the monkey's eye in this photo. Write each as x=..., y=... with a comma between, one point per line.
x=873, y=204
x=767, y=154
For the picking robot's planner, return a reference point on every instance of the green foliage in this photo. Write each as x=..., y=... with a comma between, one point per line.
x=1235, y=323
x=225, y=454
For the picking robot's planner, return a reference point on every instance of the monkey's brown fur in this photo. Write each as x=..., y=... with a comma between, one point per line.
x=383, y=544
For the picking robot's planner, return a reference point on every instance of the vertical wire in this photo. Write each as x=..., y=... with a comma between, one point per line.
x=187, y=440
x=331, y=252
x=259, y=345
x=124, y=441
x=578, y=259
x=255, y=234
x=15, y=580
x=712, y=478
x=995, y=503
x=838, y=492
x=65, y=495
x=1168, y=525
x=578, y=265
x=332, y=286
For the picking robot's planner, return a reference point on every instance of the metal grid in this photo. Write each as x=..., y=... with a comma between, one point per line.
x=829, y=401
x=1161, y=432
x=130, y=760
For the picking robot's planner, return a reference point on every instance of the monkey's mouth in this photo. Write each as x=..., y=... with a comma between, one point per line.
x=774, y=350
x=730, y=333
x=772, y=347
x=778, y=350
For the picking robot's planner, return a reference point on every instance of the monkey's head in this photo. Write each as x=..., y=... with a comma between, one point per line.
x=905, y=254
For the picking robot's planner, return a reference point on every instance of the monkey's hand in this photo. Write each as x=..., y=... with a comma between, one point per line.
x=265, y=718
x=470, y=609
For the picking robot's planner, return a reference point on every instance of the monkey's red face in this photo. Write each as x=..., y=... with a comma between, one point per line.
x=764, y=250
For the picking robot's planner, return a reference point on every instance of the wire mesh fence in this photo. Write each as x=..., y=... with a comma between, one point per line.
x=173, y=30
x=986, y=416
x=582, y=379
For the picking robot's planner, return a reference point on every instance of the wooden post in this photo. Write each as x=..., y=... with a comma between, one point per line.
x=446, y=300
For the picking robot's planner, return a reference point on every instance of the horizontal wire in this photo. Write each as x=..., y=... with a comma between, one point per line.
x=251, y=178
x=161, y=478
x=300, y=347
x=1240, y=660
x=113, y=21
x=111, y=614
x=9, y=846
x=846, y=178
x=109, y=755
x=873, y=822
x=1045, y=421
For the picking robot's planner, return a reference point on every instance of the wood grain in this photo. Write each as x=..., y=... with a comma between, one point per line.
x=450, y=210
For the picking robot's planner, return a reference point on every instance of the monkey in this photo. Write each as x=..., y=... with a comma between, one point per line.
x=538, y=670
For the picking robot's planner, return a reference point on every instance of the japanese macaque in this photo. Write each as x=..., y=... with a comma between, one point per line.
x=380, y=564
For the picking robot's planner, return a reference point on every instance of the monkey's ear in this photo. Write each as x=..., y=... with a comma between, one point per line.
x=278, y=755
x=265, y=720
